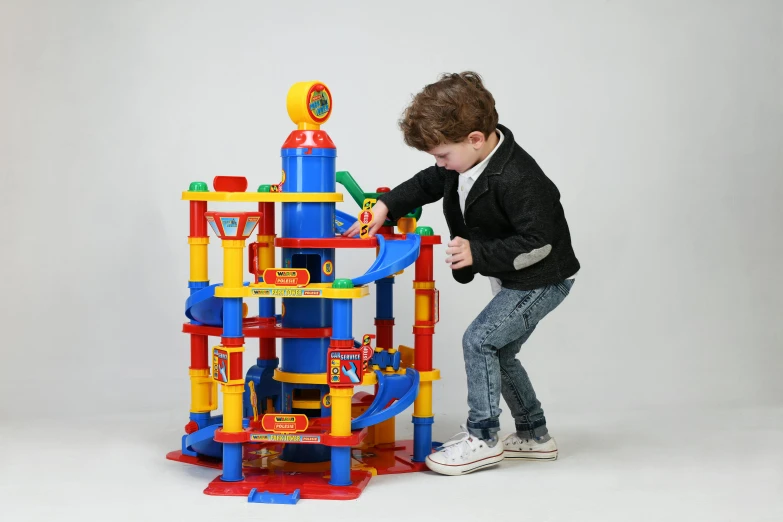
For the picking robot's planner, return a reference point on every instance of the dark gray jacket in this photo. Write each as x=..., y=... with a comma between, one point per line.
x=513, y=218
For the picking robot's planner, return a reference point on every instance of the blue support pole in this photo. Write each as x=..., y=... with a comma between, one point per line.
x=384, y=299
x=232, y=327
x=342, y=319
x=232, y=317
x=422, y=437
x=341, y=467
x=232, y=463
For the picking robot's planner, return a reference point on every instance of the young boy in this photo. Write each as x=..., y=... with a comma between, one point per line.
x=506, y=222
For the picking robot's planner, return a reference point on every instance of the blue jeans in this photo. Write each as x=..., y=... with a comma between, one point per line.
x=490, y=346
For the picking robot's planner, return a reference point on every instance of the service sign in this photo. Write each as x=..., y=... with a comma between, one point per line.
x=345, y=367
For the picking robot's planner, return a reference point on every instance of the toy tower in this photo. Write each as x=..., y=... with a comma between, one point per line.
x=292, y=426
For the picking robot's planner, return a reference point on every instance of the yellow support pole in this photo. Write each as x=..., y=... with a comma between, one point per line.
x=199, y=269
x=422, y=307
x=203, y=392
x=422, y=406
x=233, y=254
x=385, y=432
x=232, y=407
x=233, y=250
x=341, y=411
x=266, y=254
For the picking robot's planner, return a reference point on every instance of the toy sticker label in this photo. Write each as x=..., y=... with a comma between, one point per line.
x=230, y=225
x=274, y=437
x=250, y=225
x=319, y=104
x=285, y=292
x=212, y=223
x=284, y=423
x=287, y=277
x=220, y=366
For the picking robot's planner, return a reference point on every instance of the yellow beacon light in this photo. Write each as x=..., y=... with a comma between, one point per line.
x=309, y=104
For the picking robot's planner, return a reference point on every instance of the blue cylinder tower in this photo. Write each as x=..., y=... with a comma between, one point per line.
x=308, y=163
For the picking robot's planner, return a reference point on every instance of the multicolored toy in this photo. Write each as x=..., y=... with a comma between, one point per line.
x=292, y=426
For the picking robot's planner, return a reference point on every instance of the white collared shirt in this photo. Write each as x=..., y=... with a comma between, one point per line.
x=466, y=181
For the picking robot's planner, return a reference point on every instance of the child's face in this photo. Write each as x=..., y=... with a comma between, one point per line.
x=460, y=156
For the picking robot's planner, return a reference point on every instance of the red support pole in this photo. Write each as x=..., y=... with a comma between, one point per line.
x=384, y=333
x=267, y=347
x=424, y=329
x=424, y=264
x=198, y=221
x=199, y=352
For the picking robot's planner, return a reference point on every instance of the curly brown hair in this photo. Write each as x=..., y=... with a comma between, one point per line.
x=448, y=110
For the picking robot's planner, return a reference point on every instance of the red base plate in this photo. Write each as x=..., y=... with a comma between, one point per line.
x=264, y=471
x=310, y=485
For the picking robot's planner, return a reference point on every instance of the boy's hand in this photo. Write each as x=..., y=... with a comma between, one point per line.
x=379, y=213
x=459, y=253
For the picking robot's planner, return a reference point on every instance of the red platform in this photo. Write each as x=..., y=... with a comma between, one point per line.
x=328, y=242
x=310, y=485
x=345, y=242
x=317, y=432
x=265, y=471
x=261, y=327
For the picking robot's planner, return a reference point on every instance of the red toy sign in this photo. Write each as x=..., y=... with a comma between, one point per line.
x=365, y=217
x=287, y=277
x=367, y=350
x=284, y=423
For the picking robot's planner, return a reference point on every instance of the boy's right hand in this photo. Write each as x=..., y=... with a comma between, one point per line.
x=379, y=213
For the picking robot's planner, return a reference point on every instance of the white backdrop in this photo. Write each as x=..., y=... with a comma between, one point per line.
x=660, y=122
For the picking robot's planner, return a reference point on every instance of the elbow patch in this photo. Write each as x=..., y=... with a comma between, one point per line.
x=532, y=257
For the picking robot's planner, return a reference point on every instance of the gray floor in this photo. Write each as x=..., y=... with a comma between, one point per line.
x=653, y=465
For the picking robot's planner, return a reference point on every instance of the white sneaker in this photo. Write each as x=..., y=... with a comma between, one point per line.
x=464, y=454
x=515, y=447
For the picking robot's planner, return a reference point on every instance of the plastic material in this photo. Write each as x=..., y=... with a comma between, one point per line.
x=422, y=437
x=311, y=449
x=343, y=221
x=386, y=359
x=345, y=179
x=203, y=307
x=201, y=442
x=273, y=498
x=229, y=184
x=403, y=388
x=393, y=256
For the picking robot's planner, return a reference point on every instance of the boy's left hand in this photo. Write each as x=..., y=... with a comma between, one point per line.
x=459, y=253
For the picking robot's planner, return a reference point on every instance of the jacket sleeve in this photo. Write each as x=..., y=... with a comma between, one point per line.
x=530, y=208
x=423, y=188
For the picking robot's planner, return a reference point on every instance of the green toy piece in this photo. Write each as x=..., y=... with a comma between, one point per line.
x=345, y=179
x=198, y=186
x=342, y=283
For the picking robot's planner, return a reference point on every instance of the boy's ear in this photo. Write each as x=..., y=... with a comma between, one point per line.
x=476, y=139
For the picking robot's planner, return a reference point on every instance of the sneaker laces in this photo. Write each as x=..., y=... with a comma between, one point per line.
x=459, y=445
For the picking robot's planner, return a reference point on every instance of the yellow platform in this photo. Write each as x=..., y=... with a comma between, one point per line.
x=314, y=290
x=265, y=197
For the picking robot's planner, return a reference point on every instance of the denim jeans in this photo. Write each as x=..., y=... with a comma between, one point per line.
x=490, y=346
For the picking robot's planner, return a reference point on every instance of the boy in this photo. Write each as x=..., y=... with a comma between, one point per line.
x=506, y=222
